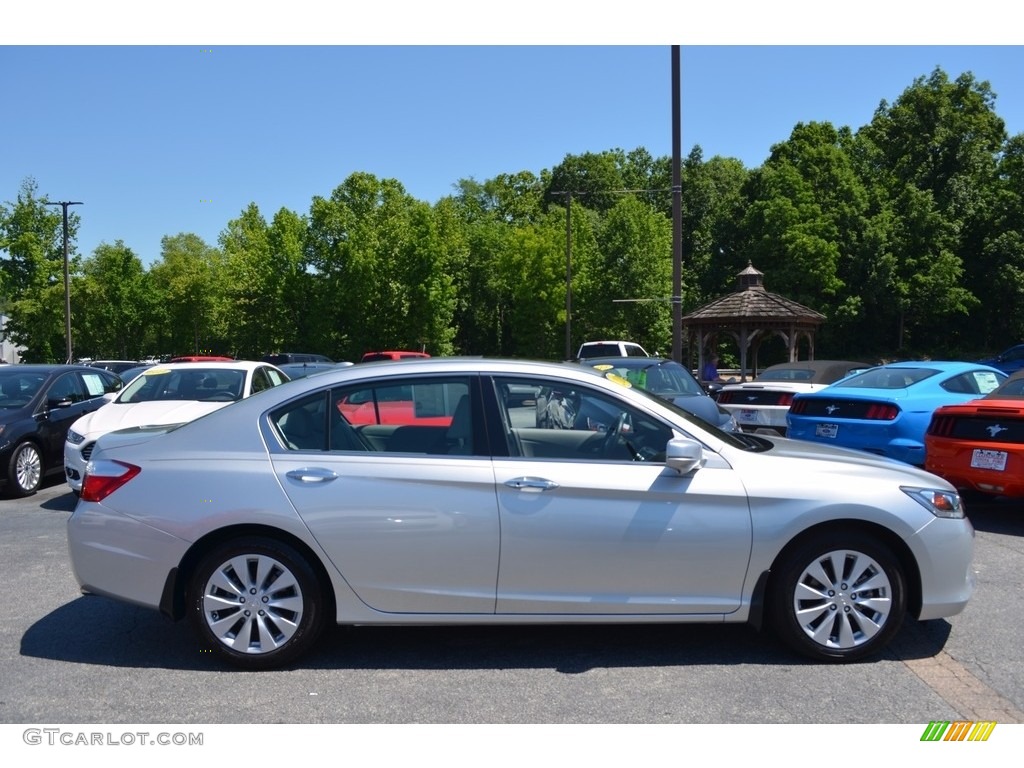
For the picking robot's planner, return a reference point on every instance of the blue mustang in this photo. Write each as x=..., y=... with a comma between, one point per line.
x=886, y=410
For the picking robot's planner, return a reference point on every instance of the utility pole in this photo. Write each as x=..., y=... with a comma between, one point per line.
x=67, y=279
x=568, y=276
x=677, y=213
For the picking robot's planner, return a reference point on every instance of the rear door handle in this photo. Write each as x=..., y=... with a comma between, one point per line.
x=312, y=475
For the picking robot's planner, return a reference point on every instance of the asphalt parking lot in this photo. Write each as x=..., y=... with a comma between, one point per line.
x=69, y=658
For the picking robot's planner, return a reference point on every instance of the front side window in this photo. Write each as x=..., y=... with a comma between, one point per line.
x=567, y=421
x=66, y=388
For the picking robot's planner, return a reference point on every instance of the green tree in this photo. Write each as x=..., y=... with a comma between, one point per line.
x=32, y=270
x=996, y=276
x=378, y=285
x=111, y=304
x=633, y=282
x=806, y=219
x=253, y=287
x=713, y=204
x=185, y=281
x=596, y=179
x=296, y=321
x=932, y=159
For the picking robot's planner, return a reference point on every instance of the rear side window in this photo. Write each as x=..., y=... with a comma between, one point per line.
x=96, y=384
x=416, y=416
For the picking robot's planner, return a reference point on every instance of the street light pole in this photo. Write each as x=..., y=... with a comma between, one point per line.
x=677, y=211
x=67, y=279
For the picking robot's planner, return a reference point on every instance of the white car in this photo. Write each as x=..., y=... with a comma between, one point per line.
x=761, y=405
x=165, y=394
x=590, y=349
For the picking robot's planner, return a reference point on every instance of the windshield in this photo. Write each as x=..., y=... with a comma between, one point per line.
x=888, y=378
x=17, y=388
x=665, y=378
x=203, y=384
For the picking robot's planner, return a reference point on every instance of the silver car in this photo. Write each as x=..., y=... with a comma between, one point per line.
x=430, y=492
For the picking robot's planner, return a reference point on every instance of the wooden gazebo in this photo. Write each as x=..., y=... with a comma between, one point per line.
x=750, y=316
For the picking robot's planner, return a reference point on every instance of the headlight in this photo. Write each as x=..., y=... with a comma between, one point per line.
x=74, y=438
x=939, y=502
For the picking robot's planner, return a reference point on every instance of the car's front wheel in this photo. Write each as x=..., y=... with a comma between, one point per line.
x=256, y=602
x=25, y=472
x=838, y=597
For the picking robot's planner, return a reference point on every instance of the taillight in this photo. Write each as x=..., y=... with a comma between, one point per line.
x=786, y=399
x=882, y=412
x=941, y=426
x=102, y=478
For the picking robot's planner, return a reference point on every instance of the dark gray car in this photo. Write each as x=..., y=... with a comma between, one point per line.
x=667, y=379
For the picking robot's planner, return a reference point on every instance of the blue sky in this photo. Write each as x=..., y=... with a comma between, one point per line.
x=175, y=136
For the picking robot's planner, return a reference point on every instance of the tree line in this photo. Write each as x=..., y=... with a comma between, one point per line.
x=907, y=234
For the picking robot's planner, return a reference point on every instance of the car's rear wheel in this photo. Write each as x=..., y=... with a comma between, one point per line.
x=256, y=602
x=838, y=597
x=25, y=471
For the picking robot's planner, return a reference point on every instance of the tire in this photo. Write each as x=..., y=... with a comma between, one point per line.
x=838, y=597
x=25, y=472
x=256, y=603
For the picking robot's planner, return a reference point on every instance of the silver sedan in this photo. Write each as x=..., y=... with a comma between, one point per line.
x=436, y=492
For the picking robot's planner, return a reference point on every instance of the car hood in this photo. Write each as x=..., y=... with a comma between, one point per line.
x=849, y=461
x=122, y=415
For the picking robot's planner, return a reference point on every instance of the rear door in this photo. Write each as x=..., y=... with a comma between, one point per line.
x=400, y=498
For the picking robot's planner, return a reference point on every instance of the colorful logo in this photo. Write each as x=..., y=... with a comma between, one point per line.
x=959, y=730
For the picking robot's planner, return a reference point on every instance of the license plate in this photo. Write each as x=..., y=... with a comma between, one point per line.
x=826, y=430
x=748, y=416
x=982, y=459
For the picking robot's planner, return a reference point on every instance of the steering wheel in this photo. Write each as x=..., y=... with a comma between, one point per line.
x=622, y=424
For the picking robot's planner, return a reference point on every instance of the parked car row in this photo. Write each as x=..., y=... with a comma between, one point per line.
x=38, y=403
x=979, y=445
x=962, y=421
x=465, y=489
x=52, y=415
x=165, y=394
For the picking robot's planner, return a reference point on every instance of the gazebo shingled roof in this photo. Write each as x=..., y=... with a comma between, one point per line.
x=750, y=315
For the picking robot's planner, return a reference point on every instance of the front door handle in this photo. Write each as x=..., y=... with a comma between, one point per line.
x=531, y=484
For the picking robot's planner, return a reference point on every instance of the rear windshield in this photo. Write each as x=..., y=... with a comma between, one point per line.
x=888, y=378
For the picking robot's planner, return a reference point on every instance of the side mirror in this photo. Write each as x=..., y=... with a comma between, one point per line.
x=58, y=402
x=684, y=455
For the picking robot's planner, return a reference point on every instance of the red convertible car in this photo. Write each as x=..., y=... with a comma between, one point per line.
x=979, y=445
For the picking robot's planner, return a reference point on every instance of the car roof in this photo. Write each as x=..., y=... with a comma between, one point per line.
x=939, y=365
x=1011, y=389
x=820, y=370
x=453, y=365
x=225, y=365
x=626, y=362
x=48, y=368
